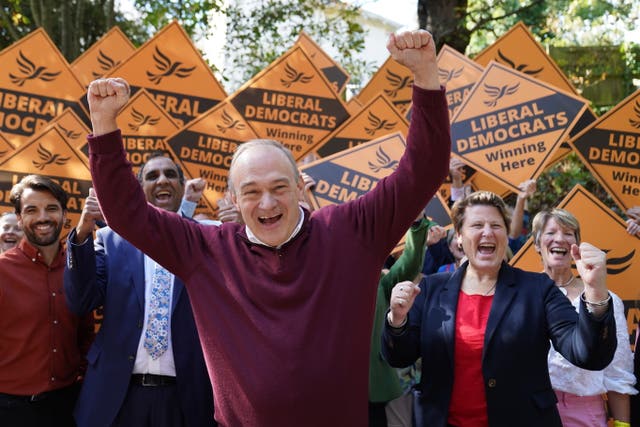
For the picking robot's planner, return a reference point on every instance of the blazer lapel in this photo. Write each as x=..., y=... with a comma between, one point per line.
x=177, y=292
x=505, y=292
x=136, y=259
x=449, y=303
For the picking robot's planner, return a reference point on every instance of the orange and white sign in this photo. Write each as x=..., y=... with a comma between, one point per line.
x=376, y=119
x=36, y=84
x=351, y=173
x=518, y=49
x=291, y=101
x=392, y=79
x=331, y=69
x=144, y=126
x=49, y=153
x=457, y=74
x=510, y=124
x=601, y=227
x=103, y=56
x=205, y=148
x=170, y=68
x=610, y=148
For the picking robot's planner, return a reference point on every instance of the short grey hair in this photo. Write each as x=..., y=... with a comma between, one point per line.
x=253, y=143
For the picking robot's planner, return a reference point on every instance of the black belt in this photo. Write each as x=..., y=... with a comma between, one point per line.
x=151, y=380
x=26, y=399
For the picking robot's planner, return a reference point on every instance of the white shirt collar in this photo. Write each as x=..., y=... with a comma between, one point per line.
x=252, y=237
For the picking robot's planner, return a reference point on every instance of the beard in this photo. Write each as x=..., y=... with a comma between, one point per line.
x=37, y=240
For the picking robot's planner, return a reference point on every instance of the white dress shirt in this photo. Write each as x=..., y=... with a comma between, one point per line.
x=144, y=364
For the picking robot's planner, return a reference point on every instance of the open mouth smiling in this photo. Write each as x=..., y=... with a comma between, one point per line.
x=486, y=248
x=268, y=220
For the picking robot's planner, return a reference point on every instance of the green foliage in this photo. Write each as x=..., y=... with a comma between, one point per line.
x=73, y=25
x=193, y=15
x=258, y=32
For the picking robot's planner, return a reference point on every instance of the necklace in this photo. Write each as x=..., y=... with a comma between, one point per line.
x=567, y=283
x=490, y=289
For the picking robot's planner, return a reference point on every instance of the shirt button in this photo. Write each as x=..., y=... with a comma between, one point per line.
x=55, y=350
x=55, y=322
x=53, y=378
x=131, y=357
x=53, y=294
x=491, y=383
x=33, y=259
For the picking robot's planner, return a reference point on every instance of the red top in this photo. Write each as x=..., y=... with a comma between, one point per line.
x=468, y=406
x=41, y=342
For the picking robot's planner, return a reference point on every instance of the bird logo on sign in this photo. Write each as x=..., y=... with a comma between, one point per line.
x=447, y=75
x=167, y=68
x=229, y=123
x=397, y=83
x=69, y=133
x=497, y=92
x=140, y=119
x=633, y=122
x=48, y=158
x=377, y=124
x=105, y=63
x=30, y=71
x=502, y=58
x=293, y=76
x=383, y=161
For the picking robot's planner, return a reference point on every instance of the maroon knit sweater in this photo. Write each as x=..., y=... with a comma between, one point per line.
x=285, y=332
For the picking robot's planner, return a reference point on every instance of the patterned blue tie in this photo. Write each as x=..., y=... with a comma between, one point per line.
x=156, y=339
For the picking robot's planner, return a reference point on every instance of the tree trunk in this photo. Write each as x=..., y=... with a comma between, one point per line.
x=445, y=20
x=65, y=23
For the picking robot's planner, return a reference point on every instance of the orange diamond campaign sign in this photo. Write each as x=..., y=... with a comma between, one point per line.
x=518, y=49
x=49, y=153
x=392, y=79
x=601, y=227
x=351, y=173
x=378, y=118
x=610, y=148
x=103, y=56
x=291, y=101
x=205, y=148
x=457, y=74
x=511, y=123
x=331, y=69
x=36, y=84
x=170, y=67
x=144, y=127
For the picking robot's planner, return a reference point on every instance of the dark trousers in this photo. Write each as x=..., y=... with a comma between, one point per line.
x=51, y=409
x=150, y=407
x=377, y=414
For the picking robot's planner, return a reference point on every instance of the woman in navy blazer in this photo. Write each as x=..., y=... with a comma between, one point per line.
x=484, y=331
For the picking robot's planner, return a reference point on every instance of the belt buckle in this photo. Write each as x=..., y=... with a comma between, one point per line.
x=144, y=382
x=35, y=397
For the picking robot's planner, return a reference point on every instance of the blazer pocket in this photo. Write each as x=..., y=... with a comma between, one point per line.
x=544, y=399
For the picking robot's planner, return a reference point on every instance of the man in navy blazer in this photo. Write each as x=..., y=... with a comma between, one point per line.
x=125, y=385
x=528, y=314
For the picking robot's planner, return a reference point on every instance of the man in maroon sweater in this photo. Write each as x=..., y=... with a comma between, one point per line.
x=284, y=303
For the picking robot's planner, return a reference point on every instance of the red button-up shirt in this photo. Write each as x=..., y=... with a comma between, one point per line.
x=42, y=343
